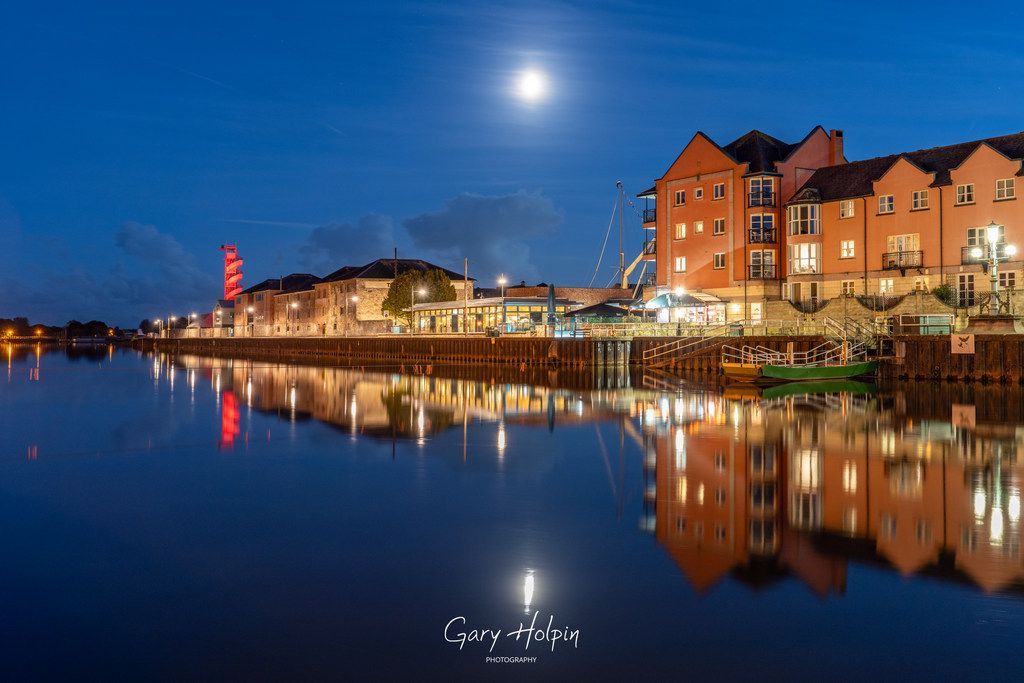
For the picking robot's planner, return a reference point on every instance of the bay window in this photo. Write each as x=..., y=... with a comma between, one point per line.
x=804, y=219
x=804, y=259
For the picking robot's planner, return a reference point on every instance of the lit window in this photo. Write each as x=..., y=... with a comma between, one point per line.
x=849, y=477
x=698, y=193
x=919, y=200
x=680, y=264
x=847, y=287
x=850, y=520
x=885, y=286
x=846, y=209
x=1005, y=189
x=886, y=204
x=846, y=249
x=804, y=258
x=888, y=526
x=719, y=260
x=719, y=227
x=965, y=193
x=923, y=531
x=680, y=231
x=680, y=197
x=698, y=227
x=718, y=191
x=803, y=220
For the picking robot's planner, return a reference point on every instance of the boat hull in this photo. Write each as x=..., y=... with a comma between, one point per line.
x=783, y=373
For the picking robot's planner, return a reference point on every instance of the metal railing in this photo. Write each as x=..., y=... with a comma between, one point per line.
x=765, y=271
x=679, y=348
x=764, y=236
x=650, y=215
x=650, y=247
x=828, y=353
x=761, y=199
x=900, y=260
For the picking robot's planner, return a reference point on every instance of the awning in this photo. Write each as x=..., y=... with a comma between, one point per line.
x=602, y=310
x=671, y=300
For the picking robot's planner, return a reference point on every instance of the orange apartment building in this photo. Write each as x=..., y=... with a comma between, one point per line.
x=798, y=222
x=718, y=217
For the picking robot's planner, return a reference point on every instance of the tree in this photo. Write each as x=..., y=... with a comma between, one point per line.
x=435, y=285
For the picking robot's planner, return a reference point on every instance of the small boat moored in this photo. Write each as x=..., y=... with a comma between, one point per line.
x=829, y=361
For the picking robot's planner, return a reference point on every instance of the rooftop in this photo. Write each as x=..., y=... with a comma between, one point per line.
x=385, y=269
x=277, y=284
x=855, y=179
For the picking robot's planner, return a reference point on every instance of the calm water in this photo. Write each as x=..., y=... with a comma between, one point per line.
x=205, y=518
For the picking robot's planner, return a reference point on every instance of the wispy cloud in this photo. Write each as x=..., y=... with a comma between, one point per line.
x=276, y=224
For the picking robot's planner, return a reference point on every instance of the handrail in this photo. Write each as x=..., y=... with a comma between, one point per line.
x=685, y=343
x=823, y=354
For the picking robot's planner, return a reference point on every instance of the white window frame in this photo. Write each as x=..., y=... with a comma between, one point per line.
x=715, y=227
x=698, y=227
x=680, y=233
x=846, y=208
x=680, y=264
x=978, y=237
x=1006, y=188
x=763, y=222
x=919, y=200
x=885, y=285
x=718, y=191
x=805, y=259
x=847, y=249
x=804, y=219
x=886, y=203
x=698, y=193
x=718, y=260
x=680, y=198
x=965, y=194
x=848, y=287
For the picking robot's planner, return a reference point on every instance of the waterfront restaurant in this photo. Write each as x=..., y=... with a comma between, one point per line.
x=688, y=307
x=511, y=314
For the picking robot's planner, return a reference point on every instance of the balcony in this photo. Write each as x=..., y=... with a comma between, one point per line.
x=764, y=271
x=967, y=259
x=761, y=199
x=650, y=215
x=762, y=236
x=901, y=260
x=650, y=249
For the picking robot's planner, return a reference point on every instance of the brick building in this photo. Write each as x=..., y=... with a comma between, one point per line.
x=255, y=306
x=717, y=213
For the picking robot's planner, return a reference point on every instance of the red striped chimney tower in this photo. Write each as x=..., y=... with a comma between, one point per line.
x=232, y=271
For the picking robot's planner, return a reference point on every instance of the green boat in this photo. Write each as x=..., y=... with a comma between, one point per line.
x=826, y=362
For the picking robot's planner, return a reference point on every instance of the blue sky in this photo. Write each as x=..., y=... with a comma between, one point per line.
x=135, y=138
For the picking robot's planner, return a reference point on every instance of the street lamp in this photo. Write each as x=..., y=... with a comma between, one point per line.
x=993, y=233
x=502, y=281
x=293, y=313
x=414, y=292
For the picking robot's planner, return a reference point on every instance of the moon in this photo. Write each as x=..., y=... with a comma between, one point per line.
x=532, y=86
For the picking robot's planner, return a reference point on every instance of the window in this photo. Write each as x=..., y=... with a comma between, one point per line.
x=720, y=533
x=1007, y=279
x=762, y=191
x=719, y=227
x=680, y=231
x=762, y=222
x=762, y=264
x=978, y=237
x=849, y=477
x=698, y=227
x=921, y=283
x=965, y=289
x=846, y=208
x=762, y=459
x=923, y=531
x=887, y=526
x=850, y=520
x=886, y=204
x=803, y=220
x=719, y=496
x=1005, y=189
x=846, y=287
x=719, y=260
x=698, y=193
x=718, y=191
x=885, y=285
x=680, y=264
x=846, y=249
x=719, y=462
x=804, y=258
x=680, y=197
x=919, y=200
x=965, y=194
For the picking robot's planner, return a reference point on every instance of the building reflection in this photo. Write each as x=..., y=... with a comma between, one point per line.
x=802, y=485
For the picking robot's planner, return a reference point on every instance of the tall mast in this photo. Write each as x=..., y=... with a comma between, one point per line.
x=622, y=254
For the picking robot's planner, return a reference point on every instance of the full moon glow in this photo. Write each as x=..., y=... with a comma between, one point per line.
x=532, y=86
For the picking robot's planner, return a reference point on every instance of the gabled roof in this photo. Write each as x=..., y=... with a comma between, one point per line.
x=855, y=179
x=300, y=283
x=275, y=284
x=759, y=151
x=384, y=269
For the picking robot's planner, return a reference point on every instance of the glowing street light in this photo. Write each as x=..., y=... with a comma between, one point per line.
x=414, y=291
x=997, y=251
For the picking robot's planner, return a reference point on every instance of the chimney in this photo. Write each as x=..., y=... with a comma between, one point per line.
x=835, y=147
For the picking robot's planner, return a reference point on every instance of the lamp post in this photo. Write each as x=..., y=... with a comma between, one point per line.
x=354, y=299
x=501, y=283
x=170, y=323
x=413, y=293
x=992, y=240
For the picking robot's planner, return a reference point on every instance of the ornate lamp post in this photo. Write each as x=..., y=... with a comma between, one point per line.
x=992, y=243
